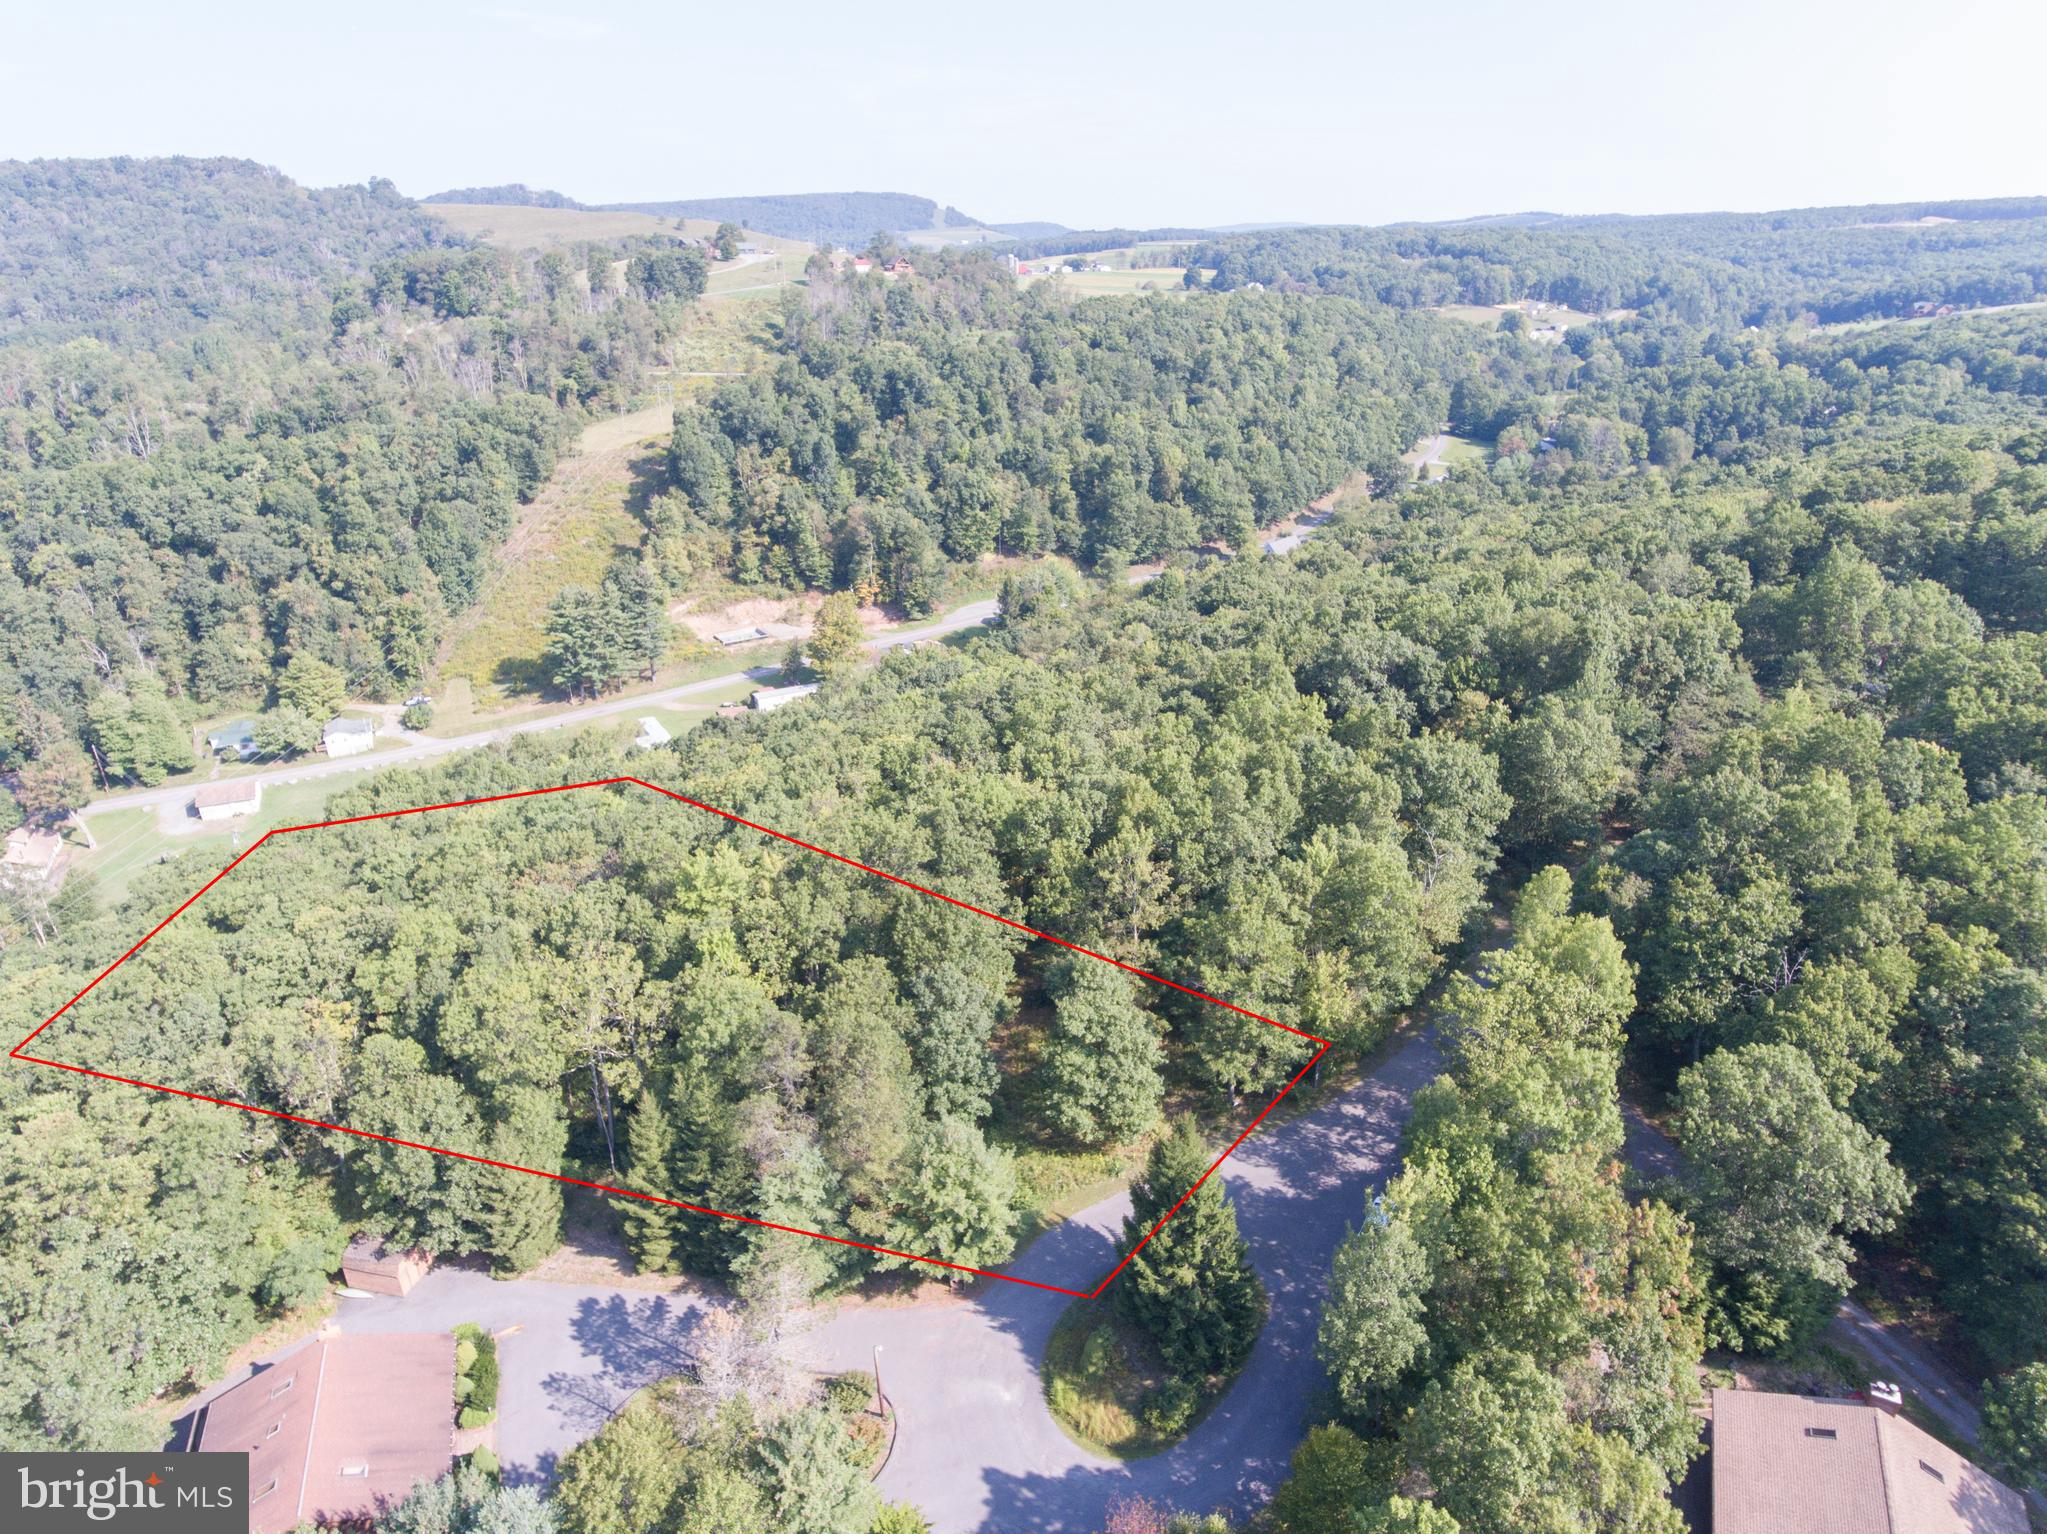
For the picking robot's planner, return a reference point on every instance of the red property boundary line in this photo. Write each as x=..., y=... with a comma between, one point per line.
x=651, y=1198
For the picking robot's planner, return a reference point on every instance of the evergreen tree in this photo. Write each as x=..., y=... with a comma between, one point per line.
x=1101, y=1066
x=520, y=1215
x=706, y=1170
x=650, y=1229
x=813, y=1484
x=1191, y=1286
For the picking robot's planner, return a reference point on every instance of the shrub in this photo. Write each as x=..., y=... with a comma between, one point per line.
x=417, y=716
x=850, y=1393
x=1168, y=1409
x=465, y=1355
x=481, y=1459
x=463, y=1386
x=1098, y=1353
x=899, y=1518
x=484, y=1379
x=472, y=1416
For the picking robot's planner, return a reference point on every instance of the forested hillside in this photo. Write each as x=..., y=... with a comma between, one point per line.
x=1798, y=770
x=242, y=423
x=958, y=417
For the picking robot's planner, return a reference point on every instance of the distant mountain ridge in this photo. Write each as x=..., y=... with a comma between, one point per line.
x=515, y=194
x=837, y=218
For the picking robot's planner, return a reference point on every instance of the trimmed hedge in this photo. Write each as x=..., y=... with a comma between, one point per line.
x=476, y=1375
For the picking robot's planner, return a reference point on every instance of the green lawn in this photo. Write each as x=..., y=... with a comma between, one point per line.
x=130, y=843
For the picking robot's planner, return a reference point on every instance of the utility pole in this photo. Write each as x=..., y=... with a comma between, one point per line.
x=880, y=1400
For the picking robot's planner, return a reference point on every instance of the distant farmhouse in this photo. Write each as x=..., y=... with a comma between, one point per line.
x=224, y=801
x=338, y=1428
x=1785, y=1464
x=768, y=699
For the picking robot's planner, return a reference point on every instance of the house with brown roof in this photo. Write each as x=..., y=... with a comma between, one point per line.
x=1785, y=1464
x=339, y=1428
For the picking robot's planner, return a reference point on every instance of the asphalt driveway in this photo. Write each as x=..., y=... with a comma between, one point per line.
x=977, y=1450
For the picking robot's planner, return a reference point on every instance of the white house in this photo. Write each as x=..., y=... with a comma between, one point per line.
x=34, y=857
x=349, y=737
x=224, y=801
x=651, y=734
x=767, y=699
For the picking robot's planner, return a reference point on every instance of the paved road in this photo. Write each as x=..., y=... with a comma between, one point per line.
x=977, y=1450
x=423, y=748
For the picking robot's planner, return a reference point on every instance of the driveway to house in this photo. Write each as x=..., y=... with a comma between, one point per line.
x=977, y=1450
x=1906, y=1360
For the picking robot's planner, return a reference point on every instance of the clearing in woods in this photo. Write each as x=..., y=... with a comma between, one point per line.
x=568, y=536
x=771, y=262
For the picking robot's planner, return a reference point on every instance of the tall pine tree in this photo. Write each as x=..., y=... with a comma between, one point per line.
x=650, y=1229
x=521, y=1215
x=705, y=1169
x=1191, y=1286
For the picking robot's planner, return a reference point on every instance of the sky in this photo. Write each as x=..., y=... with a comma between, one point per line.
x=1175, y=113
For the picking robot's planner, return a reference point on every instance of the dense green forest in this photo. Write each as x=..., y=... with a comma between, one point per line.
x=242, y=423
x=1834, y=264
x=1717, y=677
x=954, y=418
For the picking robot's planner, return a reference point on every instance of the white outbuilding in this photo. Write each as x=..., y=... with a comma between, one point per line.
x=767, y=699
x=349, y=737
x=224, y=801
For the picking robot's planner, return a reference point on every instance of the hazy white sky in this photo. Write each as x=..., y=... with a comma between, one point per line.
x=1179, y=112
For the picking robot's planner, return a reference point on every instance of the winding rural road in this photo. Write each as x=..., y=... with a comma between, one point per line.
x=976, y=1448
x=421, y=748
